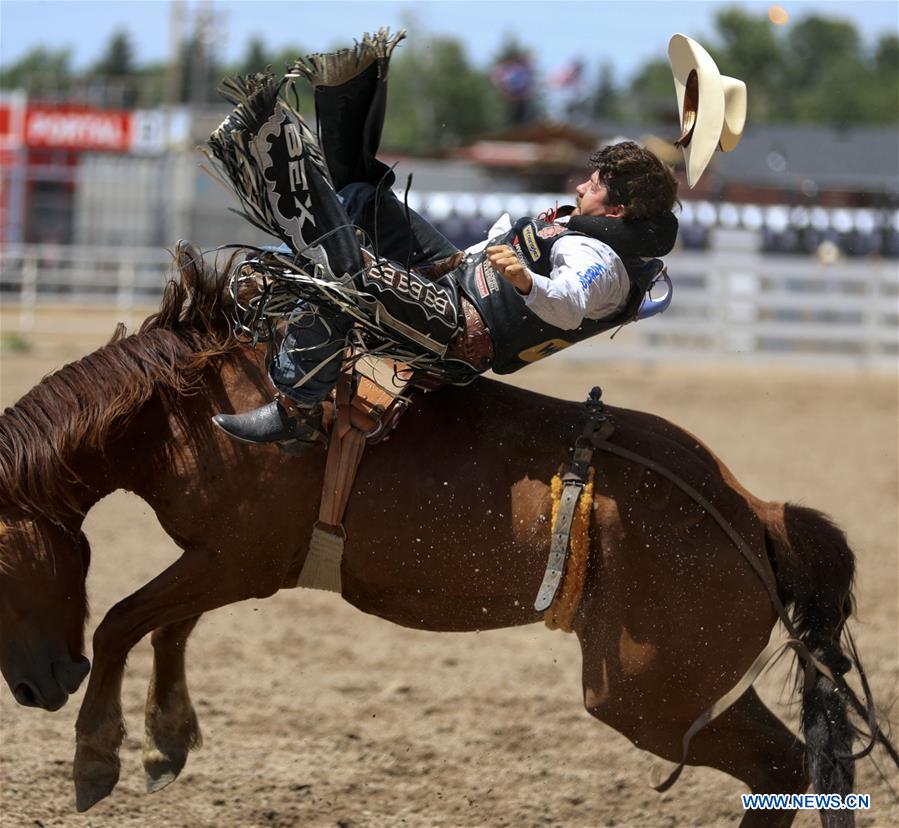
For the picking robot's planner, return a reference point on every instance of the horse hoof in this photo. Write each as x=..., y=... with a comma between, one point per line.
x=161, y=770
x=168, y=740
x=95, y=776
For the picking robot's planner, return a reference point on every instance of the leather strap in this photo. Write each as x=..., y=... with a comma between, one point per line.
x=558, y=549
x=473, y=345
x=760, y=567
x=344, y=454
x=574, y=478
x=811, y=664
x=762, y=660
x=374, y=410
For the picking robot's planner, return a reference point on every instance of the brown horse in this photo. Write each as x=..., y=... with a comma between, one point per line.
x=671, y=615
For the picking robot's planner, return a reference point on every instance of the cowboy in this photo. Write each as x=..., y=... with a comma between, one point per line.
x=536, y=287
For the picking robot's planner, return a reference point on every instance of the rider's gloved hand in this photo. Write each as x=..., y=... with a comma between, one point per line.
x=504, y=261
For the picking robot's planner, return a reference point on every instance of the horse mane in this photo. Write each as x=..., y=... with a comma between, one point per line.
x=85, y=403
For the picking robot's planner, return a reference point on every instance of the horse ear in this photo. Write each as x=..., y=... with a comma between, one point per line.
x=189, y=259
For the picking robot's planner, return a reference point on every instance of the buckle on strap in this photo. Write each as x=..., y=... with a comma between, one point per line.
x=558, y=549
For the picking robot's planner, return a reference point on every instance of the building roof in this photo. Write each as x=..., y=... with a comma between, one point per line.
x=793, y=156
x=450, y=175
x=857, y=159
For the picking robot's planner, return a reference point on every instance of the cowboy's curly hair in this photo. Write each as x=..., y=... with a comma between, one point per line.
x=636, y=179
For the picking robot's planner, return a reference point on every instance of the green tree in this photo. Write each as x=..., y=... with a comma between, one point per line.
x=39, y=69
x=437, y=100
x=831, y=79
x=650, y=93
x=749, y=50
x=838, y=97
x=117, y=59
x=200, y=74
x=604, y=100
x=150, y=82
x=886, y=56
x=884, y=95
x=257, y=57
x=815, y=41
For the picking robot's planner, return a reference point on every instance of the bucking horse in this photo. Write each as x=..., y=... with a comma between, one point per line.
x=676, y=604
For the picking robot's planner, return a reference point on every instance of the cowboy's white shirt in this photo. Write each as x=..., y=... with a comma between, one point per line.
x=587, y=280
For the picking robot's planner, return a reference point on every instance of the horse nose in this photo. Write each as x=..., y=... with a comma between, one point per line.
x=27, y=694
x=82, y=668
x=70, y=674
x=30, y=694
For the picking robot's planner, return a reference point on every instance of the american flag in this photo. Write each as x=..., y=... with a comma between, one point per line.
x=568, y=74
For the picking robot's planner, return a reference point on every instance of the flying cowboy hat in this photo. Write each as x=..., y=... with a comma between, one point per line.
x=712, y=106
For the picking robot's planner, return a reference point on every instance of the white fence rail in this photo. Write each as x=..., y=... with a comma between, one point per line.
x=748, y=307
x=58, y=294
x=728, y=305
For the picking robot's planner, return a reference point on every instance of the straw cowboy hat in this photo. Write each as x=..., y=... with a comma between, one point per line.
x=712, y=106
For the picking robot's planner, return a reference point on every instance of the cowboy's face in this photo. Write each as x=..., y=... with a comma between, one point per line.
x=593, y=199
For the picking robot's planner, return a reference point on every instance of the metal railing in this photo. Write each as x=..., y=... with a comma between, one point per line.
x=728, y=305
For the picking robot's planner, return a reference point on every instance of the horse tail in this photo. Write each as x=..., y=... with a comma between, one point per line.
x=815, y=567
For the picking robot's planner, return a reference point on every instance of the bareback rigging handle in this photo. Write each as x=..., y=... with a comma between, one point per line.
x=650, y=306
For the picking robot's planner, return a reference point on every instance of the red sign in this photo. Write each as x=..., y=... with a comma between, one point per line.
x=12, y=112
x=77, y=129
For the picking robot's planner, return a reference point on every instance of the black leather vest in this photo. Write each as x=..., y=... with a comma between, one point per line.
x=519, y=336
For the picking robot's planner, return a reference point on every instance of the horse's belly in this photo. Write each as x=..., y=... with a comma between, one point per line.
x=443, y=560
x=426, y=581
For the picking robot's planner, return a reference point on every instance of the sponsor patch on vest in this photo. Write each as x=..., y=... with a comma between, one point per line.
x=530, y=242
x=544, y=349
x=490, y=277
x=549, y=232
x=591, y=274
x=480, y=281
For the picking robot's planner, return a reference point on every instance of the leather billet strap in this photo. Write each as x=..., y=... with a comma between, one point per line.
x=759, y=566
x=307, y=418
x=344, y=454
x=361, y=416
x=763, y=659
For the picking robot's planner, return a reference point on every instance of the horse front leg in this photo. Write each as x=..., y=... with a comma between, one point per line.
x=194, y=584
x=171, y=729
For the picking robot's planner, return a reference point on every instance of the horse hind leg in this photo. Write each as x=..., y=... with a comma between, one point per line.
x=747, y=742
x=751, y=744
x=171, y=728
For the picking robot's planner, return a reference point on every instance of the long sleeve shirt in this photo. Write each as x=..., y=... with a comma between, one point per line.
x=587, y=280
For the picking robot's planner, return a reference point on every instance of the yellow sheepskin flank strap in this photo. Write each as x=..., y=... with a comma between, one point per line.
x=560, y=614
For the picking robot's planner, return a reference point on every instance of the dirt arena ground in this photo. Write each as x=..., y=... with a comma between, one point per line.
x=317, y=715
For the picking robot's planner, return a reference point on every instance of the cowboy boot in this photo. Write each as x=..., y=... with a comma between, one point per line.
x=280, y=421
x=350, y=88
x=269, y=156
